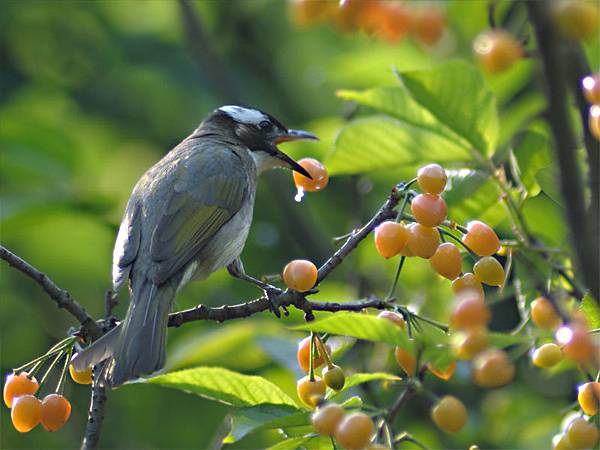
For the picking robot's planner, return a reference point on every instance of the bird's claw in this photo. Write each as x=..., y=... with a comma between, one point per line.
x=273, y=295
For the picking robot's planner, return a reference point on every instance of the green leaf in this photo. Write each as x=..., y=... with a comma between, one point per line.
x=456, y=94
x=502, y=340
x=518, y=115
x=545, y=219
x=264, y=417
x=439, y=356
x=293, y=443
x=361, y=326
x=225, y=386
x=382, y=142
x=590, y=308
x=532, y=153
x=359, y=378
x=353, y=402
x=470, y=193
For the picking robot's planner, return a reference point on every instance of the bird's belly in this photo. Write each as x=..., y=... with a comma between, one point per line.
x=226, y=245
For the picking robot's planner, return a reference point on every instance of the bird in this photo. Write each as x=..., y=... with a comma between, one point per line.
x=188, y=216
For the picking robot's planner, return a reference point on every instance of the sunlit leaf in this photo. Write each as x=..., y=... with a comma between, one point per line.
x=293, y=443
x=545, y=219
x=264, y=417
x=590, y=308
x=225, y=386
x=359, y=378
x=532, y=154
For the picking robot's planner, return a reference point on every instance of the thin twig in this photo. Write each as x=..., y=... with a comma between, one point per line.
x=95, y=415
x=400, y=401
x=62, y=298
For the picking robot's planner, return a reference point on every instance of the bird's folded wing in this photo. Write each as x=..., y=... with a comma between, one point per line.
x=209, y=188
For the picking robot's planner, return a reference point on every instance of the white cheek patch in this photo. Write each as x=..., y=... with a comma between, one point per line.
x=244, y=115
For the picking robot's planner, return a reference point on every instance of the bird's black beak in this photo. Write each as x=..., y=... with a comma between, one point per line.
x=294, y=135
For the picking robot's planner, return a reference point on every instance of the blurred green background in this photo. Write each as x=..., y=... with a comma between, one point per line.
x=92, y=93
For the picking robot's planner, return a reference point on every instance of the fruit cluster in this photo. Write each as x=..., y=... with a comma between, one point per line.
x=591, y=90
x=388, y=20
x=21, y=387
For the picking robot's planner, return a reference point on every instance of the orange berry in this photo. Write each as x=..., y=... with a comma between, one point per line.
x=470, y=312
x=548, y=355
x=489, y=271
x=449, y=414
x=544, y=315
x=497, y=50
x=390, y=238
x=355, y=431
x=468, y=285
x=83, y=377
x=582, y=434
x=481, y=238
x=307, y=12
x=577, y=344
x=17, y=385
x=594, y=121
x=428, y=24
x=423, y=241
x=443, y=374
x=470, y=343
x=334, y=377
x=447, y=261
x=576, y=19
x=303, y=354
x=589, y=397
x=310, y=392
x=395, y=21
x=326, y=418
x=300, y=275
x=591, y=88
x=432, y=178
x=393, y=317
x=561, y=442
x=406, y=361
x=317, y=171
x=56, y=410
x=429, y=209
x=26, y=412
x=492, y=368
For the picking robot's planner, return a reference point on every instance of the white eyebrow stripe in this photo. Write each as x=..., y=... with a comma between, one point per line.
x=244, y=115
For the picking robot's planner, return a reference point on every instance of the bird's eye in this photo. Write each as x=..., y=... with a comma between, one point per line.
x=265, y=125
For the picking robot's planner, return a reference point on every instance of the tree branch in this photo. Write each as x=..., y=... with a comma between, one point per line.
x=62, y=298
x=556, y=79
x=95, y=415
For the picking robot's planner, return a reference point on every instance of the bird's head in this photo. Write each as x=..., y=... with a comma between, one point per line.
x=260, y=132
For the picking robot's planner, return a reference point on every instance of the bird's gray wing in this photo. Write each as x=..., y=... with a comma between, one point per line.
x=127, y=243
x=209, y=188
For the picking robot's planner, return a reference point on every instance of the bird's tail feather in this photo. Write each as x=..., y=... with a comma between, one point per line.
x=138, y=345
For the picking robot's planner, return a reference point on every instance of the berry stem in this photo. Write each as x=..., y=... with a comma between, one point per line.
x=51, y=368
x=332, y=443
x=397, y=276
x=311, y=370
x=459, y=241
x=51, y=352
x=323, y=349
x=63, y=375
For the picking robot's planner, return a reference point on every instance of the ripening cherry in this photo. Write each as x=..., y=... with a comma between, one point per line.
x=334, y=377
x=544, y=315
x=589, y=397
x=492, y=368
x=561, y=442
x=428, y=24
x=310, y=392
x=577, y=344
x=26, y=412
x=470, y=312
x=17, y=385
x=406, y=360
x=429, y=209
x=497, y=50
x=394, y=21
x=432, y=178
x=390, y=238
x=591, y=88
x=326, y=418
x=576, y=19
x=471, y=342
x=443, y=374
x=307, y=12
x=547, y=356
x=355, y=431
x=489, y=271
x=594, y=121
x=423, y=241
x=393, y=317
x=349, y=14
x=303, y=354
x=83, y=377
x=300, y=275
x=449, y=414
x=447, y=261
x=582, y=434
x=468, y=285
x=317, y=171
x=481, y=238
x=56, y=410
